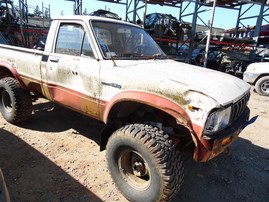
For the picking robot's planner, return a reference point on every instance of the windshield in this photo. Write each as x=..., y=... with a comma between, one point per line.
x=121, y=41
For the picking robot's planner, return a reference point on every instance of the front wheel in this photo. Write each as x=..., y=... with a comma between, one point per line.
x=262, y=86
x=15, y=102
x=144, y=163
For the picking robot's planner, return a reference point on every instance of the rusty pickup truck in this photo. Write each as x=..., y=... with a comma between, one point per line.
x=152, y=107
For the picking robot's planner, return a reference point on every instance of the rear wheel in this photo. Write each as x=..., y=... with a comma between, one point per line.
x=262, y=86
x=15, y=102
x=144, y=163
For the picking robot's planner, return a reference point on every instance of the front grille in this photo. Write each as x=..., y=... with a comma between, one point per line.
x=239, y=107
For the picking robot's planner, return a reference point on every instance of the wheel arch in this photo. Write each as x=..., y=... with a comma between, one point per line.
x=135, y=101
x=149, y=99
x=8, y=70
x=260, y=76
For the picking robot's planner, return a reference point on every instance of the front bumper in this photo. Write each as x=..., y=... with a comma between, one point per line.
x=250, y=77
x=213, y=145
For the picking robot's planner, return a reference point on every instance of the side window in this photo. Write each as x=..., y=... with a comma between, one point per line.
x=86, y=48
x=72, y=40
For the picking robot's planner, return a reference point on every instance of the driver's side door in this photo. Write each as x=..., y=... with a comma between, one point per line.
x=73, y=71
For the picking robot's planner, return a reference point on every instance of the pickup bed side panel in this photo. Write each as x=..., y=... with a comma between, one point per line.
x=26, y=62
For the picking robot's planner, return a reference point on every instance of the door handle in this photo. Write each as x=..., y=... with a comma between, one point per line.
x=75, y=72
x=53, y=59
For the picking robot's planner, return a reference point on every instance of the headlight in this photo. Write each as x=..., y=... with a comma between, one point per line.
x=218, y=120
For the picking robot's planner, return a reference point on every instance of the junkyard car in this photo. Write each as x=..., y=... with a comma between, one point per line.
x=175, y=53
x=164, y=25
x=106, y=14
x=229, y=61
x=257, y=74
x=7, y=12
x=41, y=42
x=152, y=106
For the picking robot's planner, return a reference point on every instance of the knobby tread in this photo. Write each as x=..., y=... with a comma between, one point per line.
x=167, y=157
x=22, y=100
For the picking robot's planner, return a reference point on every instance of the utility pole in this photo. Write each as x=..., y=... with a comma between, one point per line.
x=209, y=32
x=77, y=6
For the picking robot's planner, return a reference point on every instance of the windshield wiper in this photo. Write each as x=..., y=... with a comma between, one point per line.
x=156, y=56
x=130, y=54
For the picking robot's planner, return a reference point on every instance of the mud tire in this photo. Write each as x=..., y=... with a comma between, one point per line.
x=15, y=102
x=144, y=163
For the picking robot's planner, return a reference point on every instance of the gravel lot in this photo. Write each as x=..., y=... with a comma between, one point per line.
x=55, y=157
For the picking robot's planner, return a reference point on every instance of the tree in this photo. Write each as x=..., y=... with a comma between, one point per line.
x=37, y=12
x=85, y=12
x=46, y=13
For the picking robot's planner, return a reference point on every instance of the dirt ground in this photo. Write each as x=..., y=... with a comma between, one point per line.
x=55, y=157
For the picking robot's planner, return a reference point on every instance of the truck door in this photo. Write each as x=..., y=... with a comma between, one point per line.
x=73, y=71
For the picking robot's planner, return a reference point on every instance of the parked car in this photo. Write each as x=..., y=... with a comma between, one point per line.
x=229, y=61
x=174, y=53
x=234, y=62
x=106, y=14
x=164, y=25
x=264, y=34
x=262, y=54
x=248, y=32
x=40, y=44
x=213, y=60
x=257, y=74
x=7, y=12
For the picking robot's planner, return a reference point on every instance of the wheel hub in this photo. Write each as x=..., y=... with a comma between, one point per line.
x=265, y=86
x=134, y=169
x=139, y=169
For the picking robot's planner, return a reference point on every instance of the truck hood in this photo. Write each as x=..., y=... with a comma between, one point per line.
x=223, y=88
x=258, y=67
